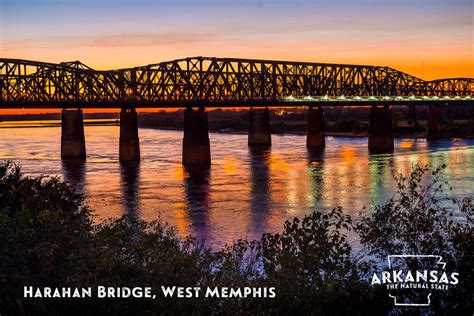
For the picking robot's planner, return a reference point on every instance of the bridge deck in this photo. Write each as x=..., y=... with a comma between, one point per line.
x=224, y=104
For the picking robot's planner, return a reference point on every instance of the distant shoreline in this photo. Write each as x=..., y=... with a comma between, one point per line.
x=279, y=131
x=332, y=134
x=55, y=123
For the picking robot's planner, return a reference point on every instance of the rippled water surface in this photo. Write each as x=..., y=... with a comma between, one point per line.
x=246, y=192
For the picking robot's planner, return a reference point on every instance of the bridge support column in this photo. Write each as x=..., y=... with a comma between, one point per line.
x=434, y=127
x=315, y=130
x=129, y=148
x=380, y=129
x=196, y=146
x=73, y=143
x=259, y=128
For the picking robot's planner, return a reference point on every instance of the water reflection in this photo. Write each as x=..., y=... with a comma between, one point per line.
x=260, y=197
x=434, y=144
x=380, y=168
x=196, y=196
x=246, y=192
x=130, y=188
x=315, y=175
x=74, y=174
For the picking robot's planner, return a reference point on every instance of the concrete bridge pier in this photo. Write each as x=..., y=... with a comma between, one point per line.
x=129, y=148
x=73, y=143
x=434, y=127
x=315, y=130
x=259, y=128
x=380, y=129
x=196, y=146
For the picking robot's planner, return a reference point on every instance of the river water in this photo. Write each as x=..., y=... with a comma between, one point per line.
x=246, y=192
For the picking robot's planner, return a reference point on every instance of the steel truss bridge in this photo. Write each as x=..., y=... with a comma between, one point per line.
x=220, y=82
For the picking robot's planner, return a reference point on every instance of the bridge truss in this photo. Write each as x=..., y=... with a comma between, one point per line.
x=215, y=82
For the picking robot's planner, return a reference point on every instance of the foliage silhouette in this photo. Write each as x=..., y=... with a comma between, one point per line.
x=47, y=238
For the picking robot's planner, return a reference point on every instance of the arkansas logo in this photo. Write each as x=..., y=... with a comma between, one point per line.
x=411, y=279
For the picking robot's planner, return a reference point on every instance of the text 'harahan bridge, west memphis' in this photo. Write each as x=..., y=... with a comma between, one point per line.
x=223, y=82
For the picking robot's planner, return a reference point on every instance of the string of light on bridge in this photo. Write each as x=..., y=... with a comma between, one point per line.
x=327, y=98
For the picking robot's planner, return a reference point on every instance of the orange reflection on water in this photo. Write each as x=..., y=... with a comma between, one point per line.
x=348, y=154
x=455, y=158
x=406, y=144
x=230, y=164
x=182, y=221
x=179, y=172
x=290, y=190
x=278, y=163
x=340, y=178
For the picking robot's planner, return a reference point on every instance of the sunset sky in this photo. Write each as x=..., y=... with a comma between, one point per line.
x=427, y=38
